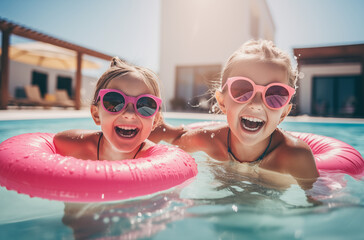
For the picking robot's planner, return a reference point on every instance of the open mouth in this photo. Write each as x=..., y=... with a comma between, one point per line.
x=251, y=124
x=127, y=132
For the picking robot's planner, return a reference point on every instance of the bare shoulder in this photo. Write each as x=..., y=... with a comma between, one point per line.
x=76, y=136
x=296, y=156
x=77, y=143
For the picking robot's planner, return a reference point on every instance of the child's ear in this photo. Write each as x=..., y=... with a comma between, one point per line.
x=220, y=100
x=95, y=114
x=158, y=119
x=285, y=113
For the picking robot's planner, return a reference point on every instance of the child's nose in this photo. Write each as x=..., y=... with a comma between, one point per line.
x=129, y=111
x=257, y=102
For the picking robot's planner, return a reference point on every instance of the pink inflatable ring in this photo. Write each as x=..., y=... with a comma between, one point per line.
x=330, y=154
x=333, y=155
x=29, y=164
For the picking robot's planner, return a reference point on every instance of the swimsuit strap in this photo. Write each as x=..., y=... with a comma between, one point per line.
x=140, y=148
x=258, y=159
x=98, y=147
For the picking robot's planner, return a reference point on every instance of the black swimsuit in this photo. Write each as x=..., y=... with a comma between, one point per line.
x=98, y=147
x=232, y=156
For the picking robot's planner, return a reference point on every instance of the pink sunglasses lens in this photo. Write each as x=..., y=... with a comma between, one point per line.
x=113, y=101
x=276, y=96
x=146, y=106
x=241, y=90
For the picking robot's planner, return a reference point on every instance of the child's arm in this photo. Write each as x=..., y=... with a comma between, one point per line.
x=302, y=166
x=191, y=140
x=293, y=156
x=167, y=133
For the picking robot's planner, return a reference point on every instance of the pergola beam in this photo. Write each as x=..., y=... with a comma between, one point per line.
x=38, y=36
x=78, y=81
x=9, y=28
x=4, y=81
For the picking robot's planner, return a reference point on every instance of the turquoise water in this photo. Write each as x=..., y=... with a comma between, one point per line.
x=217, y=204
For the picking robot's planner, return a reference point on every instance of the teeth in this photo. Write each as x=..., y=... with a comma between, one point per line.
x=126, y=131
x=251, y=123
x=252, y=119
x=127, y=128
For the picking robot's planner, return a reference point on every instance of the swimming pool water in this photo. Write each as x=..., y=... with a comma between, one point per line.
x=217, y=204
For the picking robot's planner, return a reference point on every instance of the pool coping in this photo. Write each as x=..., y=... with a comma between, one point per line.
x=24, y=114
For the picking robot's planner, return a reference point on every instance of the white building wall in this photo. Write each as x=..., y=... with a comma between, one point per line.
x=205, y=32
x=20, y=74
x=259, y=10
x=311, y=71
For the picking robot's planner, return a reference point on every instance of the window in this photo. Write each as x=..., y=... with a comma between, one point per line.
x=65, y=83
x=41, y=80
x=336, y=96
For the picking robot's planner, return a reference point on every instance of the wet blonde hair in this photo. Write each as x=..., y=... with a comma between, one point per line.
x=265, y=51
x=120, y=68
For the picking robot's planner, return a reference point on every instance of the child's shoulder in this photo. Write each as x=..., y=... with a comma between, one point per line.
x=296, y=156
x=77, y=143
x=77, y=135
x=291, y=147
x=293, y=143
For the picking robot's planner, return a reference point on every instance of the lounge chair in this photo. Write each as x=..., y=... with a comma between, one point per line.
x=33, y=98
x=63, y=100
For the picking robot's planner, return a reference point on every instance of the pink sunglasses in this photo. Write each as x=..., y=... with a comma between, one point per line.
x=114, y=101
x=275, y=95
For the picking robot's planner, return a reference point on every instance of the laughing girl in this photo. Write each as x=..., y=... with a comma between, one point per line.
x=126, y=106
x=255, y=89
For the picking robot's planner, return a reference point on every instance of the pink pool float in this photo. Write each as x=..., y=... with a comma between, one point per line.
x=29, y=164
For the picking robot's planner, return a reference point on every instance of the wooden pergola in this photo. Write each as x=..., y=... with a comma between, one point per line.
x=8, y=28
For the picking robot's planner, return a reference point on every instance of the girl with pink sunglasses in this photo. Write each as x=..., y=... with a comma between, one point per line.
x=255, y=89
x=126, y=105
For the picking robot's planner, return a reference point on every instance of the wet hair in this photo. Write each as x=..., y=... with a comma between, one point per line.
x=265, y=51
x=120, y=68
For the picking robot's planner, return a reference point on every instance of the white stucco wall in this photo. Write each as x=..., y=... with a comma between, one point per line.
x=205, y=32
x=311, y=71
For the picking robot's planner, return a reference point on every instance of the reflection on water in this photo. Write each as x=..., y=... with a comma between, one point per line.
x=127, y=220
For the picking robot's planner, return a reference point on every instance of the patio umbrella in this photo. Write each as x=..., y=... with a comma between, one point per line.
x=47, y=55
